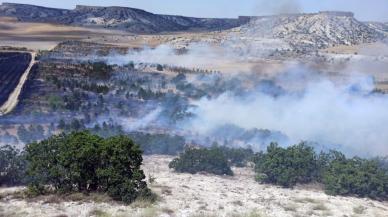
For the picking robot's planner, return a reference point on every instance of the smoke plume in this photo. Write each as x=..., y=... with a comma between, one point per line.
x=264, y=7
x=324, y=112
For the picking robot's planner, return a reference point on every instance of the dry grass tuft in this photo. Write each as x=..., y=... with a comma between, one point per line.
x=319, y=207
x=168, y=211
x=149, y=212
x=254, y=213
x=202, y=214
x=359, y=210
x=98, y=213
x=290, y=207
x=143, y=203
x=306, y=200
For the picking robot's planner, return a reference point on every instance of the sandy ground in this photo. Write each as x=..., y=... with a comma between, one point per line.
x=185, y=195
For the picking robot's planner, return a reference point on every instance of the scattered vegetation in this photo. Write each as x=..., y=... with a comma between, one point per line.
x=339, y=175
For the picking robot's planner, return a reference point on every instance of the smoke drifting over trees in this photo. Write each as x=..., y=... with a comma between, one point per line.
x=347, y=115
x=323, y=112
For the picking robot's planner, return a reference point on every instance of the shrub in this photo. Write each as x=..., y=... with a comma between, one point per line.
x=159, y=67
x=82, y=162
x=286, y=167
x=238, y=157
x=159, y=143
x=364, y=178
x=196, y=160
x=12, y=166
x=101, y=70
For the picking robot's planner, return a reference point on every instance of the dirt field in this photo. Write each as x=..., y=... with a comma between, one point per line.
x=44, y=36
x=188, y=195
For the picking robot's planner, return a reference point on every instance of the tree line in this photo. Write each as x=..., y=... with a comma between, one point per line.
x=83, y=162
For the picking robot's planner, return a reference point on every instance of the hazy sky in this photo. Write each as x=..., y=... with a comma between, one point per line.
x=364, y=9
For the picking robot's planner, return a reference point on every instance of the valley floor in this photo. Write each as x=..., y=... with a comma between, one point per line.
x=203, y=195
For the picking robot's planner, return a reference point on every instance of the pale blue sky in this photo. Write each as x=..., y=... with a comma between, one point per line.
x=364, y=9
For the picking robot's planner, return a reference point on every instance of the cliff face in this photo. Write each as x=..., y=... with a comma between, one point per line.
x=129, y=19
x=311, y=31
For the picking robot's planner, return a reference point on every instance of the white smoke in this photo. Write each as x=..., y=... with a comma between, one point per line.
x=328, y=111
x=323, y=112
x=136, y=124
x=199, y=55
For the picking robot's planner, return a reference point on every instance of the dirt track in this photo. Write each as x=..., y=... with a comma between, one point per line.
x=13, y=98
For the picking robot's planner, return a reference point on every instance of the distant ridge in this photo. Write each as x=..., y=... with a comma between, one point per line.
x=301, y=32
x=114, y=17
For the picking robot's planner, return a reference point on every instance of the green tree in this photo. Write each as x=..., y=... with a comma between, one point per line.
x=82, y=162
